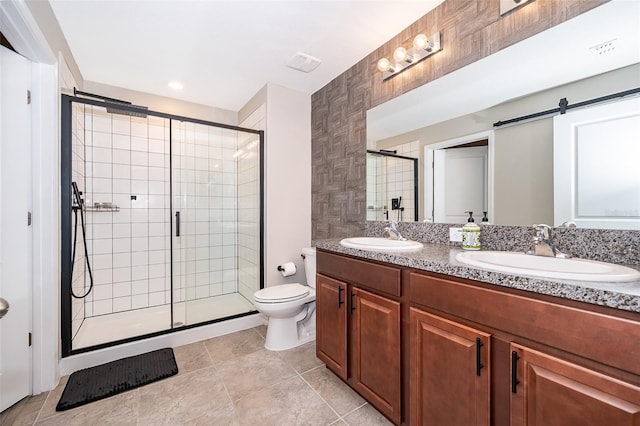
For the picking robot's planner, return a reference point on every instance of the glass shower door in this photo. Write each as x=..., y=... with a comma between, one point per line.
x=206, y=231
x=119, y=165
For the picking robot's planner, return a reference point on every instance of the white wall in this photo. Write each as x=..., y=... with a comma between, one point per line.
x=163, y=104
x=287, y=178
x=288, y=181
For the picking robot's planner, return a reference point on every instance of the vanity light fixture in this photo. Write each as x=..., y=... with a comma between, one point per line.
x=423, y=46
x=509, y=5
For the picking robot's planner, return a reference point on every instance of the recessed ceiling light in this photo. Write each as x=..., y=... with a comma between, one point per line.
x=176, y=85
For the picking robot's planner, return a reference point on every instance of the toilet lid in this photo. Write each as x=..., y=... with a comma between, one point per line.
x=281, y=293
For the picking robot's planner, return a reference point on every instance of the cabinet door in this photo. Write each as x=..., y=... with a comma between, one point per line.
x=450, y=372
x=549, y=391
x=375, y=350
x=331, y=324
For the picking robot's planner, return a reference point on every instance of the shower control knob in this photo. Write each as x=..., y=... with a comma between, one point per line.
x=4, y=307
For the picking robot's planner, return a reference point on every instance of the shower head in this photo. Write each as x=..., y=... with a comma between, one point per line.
x=111, y=110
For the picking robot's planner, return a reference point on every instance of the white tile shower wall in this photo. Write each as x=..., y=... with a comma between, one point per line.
x=127, y=164
x=249, y=205
x=204, y=192
x=80, y=278
x=376, y=185
x=400, y=180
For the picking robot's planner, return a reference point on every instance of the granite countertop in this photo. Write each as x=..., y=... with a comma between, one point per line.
x=440, y=258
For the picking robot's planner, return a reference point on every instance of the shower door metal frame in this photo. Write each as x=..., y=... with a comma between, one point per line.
x=66, y=213
x=415, y=175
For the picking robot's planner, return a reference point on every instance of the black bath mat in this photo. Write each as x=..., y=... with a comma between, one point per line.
x=103, y=381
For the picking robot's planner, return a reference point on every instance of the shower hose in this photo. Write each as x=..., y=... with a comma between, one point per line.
x=78, y=206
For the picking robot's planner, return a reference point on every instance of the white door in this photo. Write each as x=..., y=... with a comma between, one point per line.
x=15, y=234
x=596, y=177
x=460, y=177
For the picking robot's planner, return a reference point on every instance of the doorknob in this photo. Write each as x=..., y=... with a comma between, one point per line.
x=4, y=307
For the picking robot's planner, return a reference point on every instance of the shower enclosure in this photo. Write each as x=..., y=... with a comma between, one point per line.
x=392, y=186
x=164, y=228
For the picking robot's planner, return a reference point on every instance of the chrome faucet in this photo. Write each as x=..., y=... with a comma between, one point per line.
x=543, y=243
x=393, y=232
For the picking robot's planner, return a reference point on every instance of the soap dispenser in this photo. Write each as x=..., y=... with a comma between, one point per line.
x=485, y=219
x=470, y=234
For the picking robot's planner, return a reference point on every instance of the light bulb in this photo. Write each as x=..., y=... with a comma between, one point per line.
x=421, y=42
x=384, y=65
x=400, y=54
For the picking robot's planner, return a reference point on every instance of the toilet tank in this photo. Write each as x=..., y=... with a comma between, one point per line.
x=309, y=254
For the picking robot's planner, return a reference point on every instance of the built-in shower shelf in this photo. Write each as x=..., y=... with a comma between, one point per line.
x=103, y=208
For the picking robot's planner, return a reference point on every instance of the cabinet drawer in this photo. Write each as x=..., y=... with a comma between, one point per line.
x=602, y=338
x=385, y=279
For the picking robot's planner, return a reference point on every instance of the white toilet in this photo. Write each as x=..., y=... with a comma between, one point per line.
x=291, y=309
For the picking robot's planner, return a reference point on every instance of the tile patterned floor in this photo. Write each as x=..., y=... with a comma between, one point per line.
x=227, y=380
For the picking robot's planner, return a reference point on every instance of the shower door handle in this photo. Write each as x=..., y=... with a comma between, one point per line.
x=177, y=224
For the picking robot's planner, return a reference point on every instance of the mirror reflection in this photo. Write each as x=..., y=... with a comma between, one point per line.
x=465, y=163
x=392, y=184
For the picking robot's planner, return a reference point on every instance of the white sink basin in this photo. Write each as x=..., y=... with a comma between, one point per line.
x=381, y=244
x=548, y=267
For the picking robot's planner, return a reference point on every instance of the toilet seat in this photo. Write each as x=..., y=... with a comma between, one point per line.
x=281, y=293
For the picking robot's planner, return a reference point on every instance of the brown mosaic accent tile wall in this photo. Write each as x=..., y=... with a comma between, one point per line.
x=471, y=30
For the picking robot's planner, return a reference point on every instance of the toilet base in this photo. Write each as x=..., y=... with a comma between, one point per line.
x=285, y=333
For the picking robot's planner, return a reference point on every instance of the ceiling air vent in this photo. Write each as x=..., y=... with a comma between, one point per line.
x=303, y=62
x=604, y=48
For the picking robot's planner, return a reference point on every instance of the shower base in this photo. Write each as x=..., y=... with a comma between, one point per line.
x=122, y=325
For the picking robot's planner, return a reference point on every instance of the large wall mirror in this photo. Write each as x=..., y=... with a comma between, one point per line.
x=465, y=163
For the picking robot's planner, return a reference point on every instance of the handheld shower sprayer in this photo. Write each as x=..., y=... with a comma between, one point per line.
x=77, y=205
x=77, y=197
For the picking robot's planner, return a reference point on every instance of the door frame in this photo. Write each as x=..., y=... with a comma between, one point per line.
x=23, y=32
x=428, y=170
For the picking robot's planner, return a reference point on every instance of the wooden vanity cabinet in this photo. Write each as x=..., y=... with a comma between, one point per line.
x=359, y=328
x=551, y=364
x=450, y=372
x=429, y=349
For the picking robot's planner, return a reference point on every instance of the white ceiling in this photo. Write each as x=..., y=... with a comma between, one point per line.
x=225, y=51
